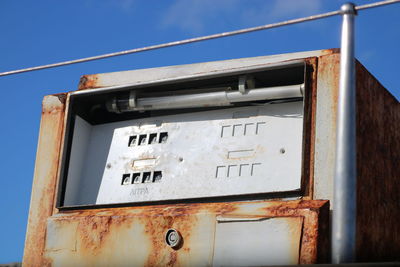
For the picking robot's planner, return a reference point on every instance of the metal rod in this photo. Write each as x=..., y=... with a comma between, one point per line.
x=344, y=205
x=197, y=39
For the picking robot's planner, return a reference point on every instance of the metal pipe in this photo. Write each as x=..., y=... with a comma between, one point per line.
x=213, y=99
x=344, y=205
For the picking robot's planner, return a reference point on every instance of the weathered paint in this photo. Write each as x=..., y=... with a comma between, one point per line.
x=45, y=176
x=88, y=81
x=180, y=156
x=144, y=76
x=325, y=127
x=378, y=146
x=249, y=241
x=378, y=170
x=135, y=235
x=91, y=229
x=94, y=237
x=310, y=106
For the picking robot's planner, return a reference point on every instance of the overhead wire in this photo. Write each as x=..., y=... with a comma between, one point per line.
x=197, y=39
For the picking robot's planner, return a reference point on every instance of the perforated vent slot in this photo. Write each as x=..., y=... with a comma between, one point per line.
x=148, y=139
x=142, y=177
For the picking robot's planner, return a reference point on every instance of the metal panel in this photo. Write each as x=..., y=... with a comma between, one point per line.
x=45, y=177
x=247, y=242
x=204, y=154
x=61, y=236
x=325, y=128
x=81, y=137
x=378, y=171
x=135, y=236
x=190, y=71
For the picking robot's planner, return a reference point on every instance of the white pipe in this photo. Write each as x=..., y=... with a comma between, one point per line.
x=215, y=99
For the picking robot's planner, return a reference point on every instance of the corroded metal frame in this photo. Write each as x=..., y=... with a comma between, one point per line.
x=310, y=77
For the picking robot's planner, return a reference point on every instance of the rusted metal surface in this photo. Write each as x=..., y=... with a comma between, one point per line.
x=378, y=159
x=325, y=127
x=310, y=81
x=378, y=146
x=186, y=71
x=135, y=235
x=46, y=167
x=88, y=81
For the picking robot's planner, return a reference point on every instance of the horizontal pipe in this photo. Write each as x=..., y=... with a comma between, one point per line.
x=213, y=99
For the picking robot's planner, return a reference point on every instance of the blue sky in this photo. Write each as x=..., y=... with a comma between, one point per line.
x=44, y=31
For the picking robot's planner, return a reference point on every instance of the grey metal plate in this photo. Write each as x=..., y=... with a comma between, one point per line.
x=226, y=152
x=257, y=242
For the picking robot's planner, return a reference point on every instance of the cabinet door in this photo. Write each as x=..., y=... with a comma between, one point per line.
x=256, y=242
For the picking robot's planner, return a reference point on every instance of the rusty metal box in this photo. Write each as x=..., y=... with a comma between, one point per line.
x=218, y=163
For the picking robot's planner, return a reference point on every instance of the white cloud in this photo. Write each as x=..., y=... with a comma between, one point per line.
x=196, y=15
x=277, y=10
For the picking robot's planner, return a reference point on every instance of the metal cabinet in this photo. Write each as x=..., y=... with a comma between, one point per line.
x=209, y=164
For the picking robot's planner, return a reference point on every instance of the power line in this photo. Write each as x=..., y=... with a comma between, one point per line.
x=376, y=4
x=198, y=39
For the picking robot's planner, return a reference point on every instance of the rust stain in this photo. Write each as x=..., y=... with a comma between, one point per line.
x=310, y=99
x=156, y=227
x=62, y=97
x=43, y=191
x=93, y=232
x=309, y=239
x=97, y=227
x=172, y=259
x=329, y=68
x=378, y=172
x=158, y=210
x=53, y=105
x=45, y=262
x=309, y=210
x=330, y=51
x=88, y=82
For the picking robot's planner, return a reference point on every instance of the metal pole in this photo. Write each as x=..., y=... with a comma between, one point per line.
x=344, y=206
